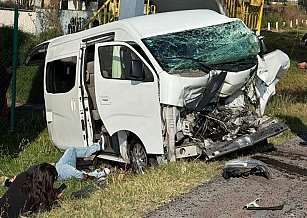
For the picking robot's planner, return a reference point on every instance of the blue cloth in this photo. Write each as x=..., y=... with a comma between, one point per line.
x=66, y=166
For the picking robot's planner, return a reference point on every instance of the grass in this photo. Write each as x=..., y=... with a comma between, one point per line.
x=126, y=195
x=129, y=195
x=289, y=102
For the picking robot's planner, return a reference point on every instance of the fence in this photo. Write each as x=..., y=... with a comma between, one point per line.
x=250, y=11
x=21, y=90
x=286, y=25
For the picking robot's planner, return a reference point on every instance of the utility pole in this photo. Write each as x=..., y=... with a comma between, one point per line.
x=131, y=8
x=15, y=50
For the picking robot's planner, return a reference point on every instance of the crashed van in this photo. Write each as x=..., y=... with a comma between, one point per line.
x=160, y=87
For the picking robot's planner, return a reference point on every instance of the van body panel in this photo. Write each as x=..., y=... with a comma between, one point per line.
x=234, y=81
x=177, y=90
x=272, y=67
x=129, y=105
x=63, y=111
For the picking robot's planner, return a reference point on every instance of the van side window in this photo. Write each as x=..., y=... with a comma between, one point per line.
x=61, y=75
x=115, y=63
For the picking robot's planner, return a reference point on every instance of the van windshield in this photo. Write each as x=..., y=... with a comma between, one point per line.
x=192, y=49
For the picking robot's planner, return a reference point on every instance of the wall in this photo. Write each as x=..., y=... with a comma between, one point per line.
x=73, y=21
x=26, y=20
x=31, y=22
x=132, y=8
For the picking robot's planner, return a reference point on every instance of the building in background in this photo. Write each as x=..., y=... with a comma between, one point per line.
x=33, y=14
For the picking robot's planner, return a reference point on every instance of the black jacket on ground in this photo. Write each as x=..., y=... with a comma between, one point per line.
x=14, y=201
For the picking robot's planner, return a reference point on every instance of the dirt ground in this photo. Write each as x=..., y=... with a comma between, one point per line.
x=226, y=198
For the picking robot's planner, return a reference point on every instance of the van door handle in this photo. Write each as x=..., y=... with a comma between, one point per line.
x=73, y=104
x=49, y=117
x=105, y=100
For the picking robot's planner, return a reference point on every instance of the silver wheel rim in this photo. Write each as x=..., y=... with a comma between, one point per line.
x=139, y=158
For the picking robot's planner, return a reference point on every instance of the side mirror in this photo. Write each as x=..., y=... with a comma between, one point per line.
x=136, y=70
x=263, y=48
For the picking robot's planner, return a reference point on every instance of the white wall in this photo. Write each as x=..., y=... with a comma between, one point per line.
x=26, y=20
x=72, y=21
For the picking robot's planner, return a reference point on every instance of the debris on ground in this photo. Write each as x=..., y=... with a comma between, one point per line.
x=254, y=206
x=302, y=65
x=244, y=167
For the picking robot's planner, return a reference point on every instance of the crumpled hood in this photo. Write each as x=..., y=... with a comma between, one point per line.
x=181, y=90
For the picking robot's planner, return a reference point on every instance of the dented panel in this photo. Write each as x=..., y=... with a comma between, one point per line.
x=271, y=68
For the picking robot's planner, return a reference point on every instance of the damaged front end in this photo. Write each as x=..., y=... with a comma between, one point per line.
x=234, y=118
x=214, y=89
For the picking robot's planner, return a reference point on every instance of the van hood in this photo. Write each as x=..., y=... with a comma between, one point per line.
x=195, y=90
x=190, y=89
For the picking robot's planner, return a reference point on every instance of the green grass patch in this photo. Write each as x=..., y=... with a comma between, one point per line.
x=129, y=195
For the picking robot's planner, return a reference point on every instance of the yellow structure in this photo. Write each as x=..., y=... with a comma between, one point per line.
x=250, y=11
x=109, y=12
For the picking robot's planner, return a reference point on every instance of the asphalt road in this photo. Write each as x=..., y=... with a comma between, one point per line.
x=226, y=198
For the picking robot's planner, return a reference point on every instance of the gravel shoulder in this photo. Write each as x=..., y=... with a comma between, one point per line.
x=226, y=198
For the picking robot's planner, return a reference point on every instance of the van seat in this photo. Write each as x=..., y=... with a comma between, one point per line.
x=91, y=85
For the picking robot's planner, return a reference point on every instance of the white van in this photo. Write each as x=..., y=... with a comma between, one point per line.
x=166, y=86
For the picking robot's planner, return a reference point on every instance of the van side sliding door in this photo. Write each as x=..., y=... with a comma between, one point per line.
x=61, y=102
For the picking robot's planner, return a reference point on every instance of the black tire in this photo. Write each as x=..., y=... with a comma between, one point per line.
x=138, y=156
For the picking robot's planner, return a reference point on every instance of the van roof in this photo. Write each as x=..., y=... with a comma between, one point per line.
x=157, y=24
x=141, y=26
x=161, y=23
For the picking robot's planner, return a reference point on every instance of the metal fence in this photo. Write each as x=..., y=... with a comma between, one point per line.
x=21, y=91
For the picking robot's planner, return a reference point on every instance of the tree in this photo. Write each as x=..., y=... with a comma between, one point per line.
x=303, y=4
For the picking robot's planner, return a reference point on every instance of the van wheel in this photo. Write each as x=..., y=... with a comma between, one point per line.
x=138, y=157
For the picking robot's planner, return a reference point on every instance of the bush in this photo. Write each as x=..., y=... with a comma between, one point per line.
x=271, y=18
x=29, y=79
x=49, y=34
x=283, y=13
x=7, y=4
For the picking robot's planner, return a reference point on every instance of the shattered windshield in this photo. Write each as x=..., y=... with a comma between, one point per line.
x=197, y=48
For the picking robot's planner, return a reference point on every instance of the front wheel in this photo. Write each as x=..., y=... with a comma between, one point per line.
x=138, y=156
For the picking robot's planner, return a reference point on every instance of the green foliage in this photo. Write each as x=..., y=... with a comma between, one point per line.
x=30, y=122
x=289, y=42
x=25, y=42
x=271, y=18
x=283, y=13
x=7, y=4
x=303, y=4
x=49, y=34
x=29, y=78
x=6, y=45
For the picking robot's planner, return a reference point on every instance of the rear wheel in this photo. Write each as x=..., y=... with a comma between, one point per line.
x=138, y=156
